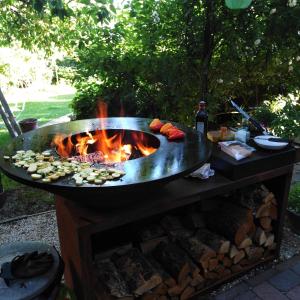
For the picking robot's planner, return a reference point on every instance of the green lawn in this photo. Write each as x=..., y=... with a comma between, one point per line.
x=52, y=105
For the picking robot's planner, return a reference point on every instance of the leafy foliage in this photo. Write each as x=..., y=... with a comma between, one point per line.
x=159, y=58
x=294, y=198
x=282, y=115
x=49, y=24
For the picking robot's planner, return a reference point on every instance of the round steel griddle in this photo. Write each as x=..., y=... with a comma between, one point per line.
x=171, y=160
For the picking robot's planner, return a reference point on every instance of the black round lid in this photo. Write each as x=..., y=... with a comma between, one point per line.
x=28, y=288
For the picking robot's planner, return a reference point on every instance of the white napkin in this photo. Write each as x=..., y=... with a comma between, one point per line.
x=204, y=172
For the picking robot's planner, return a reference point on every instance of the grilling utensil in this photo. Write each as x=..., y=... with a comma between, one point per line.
x=262, y=129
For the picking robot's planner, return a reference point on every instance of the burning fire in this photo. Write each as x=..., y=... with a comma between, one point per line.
x=107, y=149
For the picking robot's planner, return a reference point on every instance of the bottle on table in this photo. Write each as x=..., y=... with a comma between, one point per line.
x=202, y=118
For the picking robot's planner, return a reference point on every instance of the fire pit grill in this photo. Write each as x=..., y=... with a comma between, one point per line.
x=171, y=160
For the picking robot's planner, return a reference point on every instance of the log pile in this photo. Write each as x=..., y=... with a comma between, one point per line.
x=181, y=254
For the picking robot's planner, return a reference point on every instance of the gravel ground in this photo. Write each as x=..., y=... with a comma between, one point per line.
x=25, y=201
x=41, y=227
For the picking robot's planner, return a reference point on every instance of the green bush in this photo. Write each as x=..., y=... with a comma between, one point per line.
x=153, y=60
x=294, y=198
x=281, y=115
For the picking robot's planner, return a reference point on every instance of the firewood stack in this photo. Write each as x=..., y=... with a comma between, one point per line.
x=180, y=255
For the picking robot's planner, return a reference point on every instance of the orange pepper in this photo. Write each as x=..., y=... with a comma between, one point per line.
x=156, y=125
x=175, y=134
x=166, y=127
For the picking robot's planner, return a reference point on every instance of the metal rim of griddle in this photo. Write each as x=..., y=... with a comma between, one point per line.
x=171, y=160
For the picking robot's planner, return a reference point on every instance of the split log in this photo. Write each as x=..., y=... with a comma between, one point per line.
x=254, y=253
x=260, y=236
x=269, y=198
x=137, y=272
x=273, y=212
x=232, y=221
x=236, y=268
x=161, y=289
x=167, y=279
x=178, y=289
x=272, y=247
x=263, y=211
x=175, y=234
x=220, y=270
x=244, y=262
x=149, y=245
x=193, y=220
x=171, y=223
x=235, y=254
x=112, y=279
x=212, y=264
x=233, y=251
x=211, y=275
x=197, y=280
x=118, y=250
x=150, y=232
x=150, y=296
x=227, y=262
x=213, y=240
x=269, y=240
x=266, y=223
x=238, y=257
x=174, y=260
x=187, y=293
x=227, y=272
x=221, y=256
x=197, y=250
x=252, y=230
x=245, y=243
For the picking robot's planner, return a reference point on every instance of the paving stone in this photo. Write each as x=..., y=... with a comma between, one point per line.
x=263, y=276
x=249, y=295
x=266, y=291
x=234, y=292
x=288, y=264
x=294, y=294
x=296, y=269
x=285, y=280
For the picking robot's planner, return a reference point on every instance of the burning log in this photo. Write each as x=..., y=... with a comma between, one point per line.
x=232, y=221
x=112, y=279
x=137, y=271
x=219, y=244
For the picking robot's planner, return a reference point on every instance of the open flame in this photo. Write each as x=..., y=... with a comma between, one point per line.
x=109, y=149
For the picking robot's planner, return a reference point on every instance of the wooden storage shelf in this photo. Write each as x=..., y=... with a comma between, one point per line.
x=78, y=225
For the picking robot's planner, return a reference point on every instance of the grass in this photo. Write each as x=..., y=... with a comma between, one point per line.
x=45, y=106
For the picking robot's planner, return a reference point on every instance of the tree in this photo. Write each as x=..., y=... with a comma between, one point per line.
x=162, y=56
